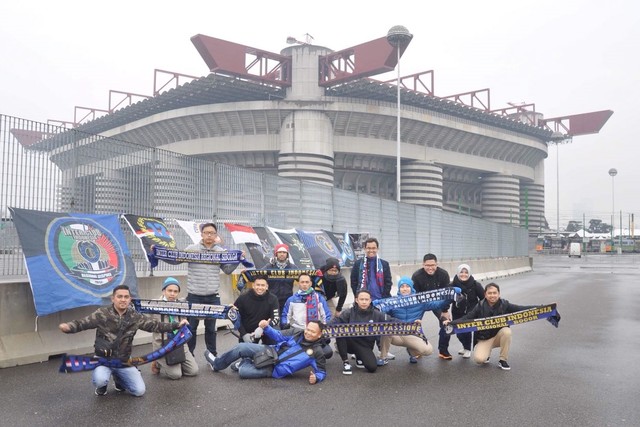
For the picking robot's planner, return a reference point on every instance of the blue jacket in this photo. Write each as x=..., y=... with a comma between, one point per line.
x=408, y=314
x=313, y=355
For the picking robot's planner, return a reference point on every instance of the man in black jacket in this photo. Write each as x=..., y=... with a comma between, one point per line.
x=333, y=285
x=488, y=339
x=282, y=288
x=429, y=278
x=255, y=305
x=361, y=312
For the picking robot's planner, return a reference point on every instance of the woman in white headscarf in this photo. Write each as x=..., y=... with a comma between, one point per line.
x=473, y=293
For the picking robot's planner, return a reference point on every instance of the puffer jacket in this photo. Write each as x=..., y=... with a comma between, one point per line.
x=313, y=356
x=204, y=279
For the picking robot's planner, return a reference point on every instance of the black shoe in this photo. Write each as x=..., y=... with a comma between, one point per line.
x=502, y=364
x=101, y=391
x=119, y=387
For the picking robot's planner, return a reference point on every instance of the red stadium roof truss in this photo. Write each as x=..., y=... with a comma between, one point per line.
x=362, y=61
x=226, y=57
x=578, y=124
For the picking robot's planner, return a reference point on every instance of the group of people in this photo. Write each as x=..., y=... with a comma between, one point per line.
x=288, y=328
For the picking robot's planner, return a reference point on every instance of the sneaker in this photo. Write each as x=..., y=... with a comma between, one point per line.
x=235, y=366
x=155, y=368
x=210, y=358
x=346, y=368
x=101, y=391
x=119, y=387
x=502, y=364
x=359, y=364
x=445, y=355
x=461, y=351
x=487, y=361
x=382, y=362
x=466, y=354
x=412, y=359
x=391, y=356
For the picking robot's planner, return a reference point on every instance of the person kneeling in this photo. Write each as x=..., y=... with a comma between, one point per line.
x=294, y=353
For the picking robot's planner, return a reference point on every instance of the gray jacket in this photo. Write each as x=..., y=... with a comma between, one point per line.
x=204, y=279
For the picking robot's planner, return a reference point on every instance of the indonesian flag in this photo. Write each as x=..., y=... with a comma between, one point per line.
x=242, y=233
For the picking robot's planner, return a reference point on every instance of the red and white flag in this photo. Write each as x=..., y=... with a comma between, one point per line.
x=242, y=233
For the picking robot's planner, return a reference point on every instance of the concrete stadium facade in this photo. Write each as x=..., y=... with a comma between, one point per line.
x=453, y=157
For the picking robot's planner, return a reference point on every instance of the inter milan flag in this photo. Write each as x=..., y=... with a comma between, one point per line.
x=297, y=251
x=73, y=260
x=319, y=245
x=343, y=242
x=261, y=254
x=150, y=231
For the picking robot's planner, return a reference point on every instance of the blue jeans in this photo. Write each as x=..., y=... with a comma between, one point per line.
x=129, y=378
x=209, y=324
x=246, y=351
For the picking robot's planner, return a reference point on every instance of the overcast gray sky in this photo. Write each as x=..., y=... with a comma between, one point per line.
x=566, y=56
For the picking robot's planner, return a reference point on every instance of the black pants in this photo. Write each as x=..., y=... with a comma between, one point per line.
x=209, y=324
x=362, y=348
x=444, y=338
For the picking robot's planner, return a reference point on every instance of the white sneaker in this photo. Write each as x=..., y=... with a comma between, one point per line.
x=359, y=364
x=346, y=368
x=466, y=354
x=461, y=351
x=391, y=356
x=210, y=358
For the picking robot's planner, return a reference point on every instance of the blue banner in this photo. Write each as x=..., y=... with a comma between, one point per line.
x=73, y=260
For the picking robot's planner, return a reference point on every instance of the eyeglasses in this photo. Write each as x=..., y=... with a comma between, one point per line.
x=209, y=233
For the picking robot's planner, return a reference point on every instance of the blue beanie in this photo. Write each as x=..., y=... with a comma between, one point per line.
x=406, y=280
x=170, y=281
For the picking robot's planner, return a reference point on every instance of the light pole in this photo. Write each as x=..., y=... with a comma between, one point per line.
x=397, y=36
x=612, y=173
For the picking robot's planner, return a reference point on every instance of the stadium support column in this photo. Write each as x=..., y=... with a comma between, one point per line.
x=501, y=199
x=306, y=148
x=421, y=183
x=532, y=206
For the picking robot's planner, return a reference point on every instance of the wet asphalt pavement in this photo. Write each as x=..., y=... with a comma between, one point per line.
x=585, y=373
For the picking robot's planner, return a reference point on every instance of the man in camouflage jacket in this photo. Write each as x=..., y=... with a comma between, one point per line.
x=115, y=326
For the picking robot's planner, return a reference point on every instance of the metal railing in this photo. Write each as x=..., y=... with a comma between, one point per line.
x=45, y=167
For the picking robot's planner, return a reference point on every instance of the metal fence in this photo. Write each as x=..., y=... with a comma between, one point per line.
x=50, y=168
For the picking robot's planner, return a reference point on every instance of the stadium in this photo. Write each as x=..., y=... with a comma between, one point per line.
x=317, y=115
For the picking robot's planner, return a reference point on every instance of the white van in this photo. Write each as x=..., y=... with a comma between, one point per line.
x=575, y=249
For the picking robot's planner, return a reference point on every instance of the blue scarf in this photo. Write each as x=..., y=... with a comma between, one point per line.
x=372, y=329
x=72, y=363
x=435, y=300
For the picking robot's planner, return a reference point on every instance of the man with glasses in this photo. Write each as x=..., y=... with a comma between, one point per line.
x=431, y=277
x=372, y=273
x=203, y=284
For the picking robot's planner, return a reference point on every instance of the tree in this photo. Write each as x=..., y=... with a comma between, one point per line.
x=574, y=226
x=597, y=226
